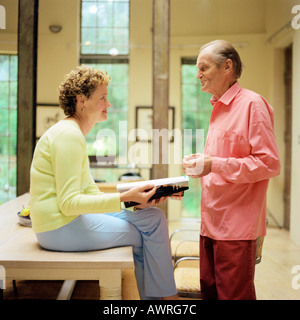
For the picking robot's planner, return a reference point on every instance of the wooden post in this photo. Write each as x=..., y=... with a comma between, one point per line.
x=27, y=65
x=161, y=32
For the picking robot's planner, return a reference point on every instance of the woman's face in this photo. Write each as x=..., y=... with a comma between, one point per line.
x=97, y=104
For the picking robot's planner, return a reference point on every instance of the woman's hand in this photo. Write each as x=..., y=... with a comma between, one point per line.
x=140, y=194
x=152, y=203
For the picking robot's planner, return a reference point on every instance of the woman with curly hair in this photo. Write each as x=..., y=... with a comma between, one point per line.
x=68, y=211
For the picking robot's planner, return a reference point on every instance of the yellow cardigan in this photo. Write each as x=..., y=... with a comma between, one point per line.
x=61, y=186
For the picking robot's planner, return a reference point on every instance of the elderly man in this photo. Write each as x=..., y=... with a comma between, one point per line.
x=240, y=157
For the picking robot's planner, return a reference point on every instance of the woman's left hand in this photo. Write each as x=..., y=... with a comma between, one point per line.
x=152, y=203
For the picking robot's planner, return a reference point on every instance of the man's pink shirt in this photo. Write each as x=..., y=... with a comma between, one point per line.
x=242, y=143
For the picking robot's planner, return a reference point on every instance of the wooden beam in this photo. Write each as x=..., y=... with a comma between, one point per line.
x=161, y=32
x=27, y=65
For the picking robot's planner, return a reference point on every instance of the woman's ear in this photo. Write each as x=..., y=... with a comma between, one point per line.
x=81, y=102
x=80, y=99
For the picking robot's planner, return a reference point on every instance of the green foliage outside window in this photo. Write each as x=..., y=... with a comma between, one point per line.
x=196, y=110
x=118, y=98
x=8, y=126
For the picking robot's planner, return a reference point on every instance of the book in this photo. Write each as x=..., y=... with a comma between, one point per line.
x=165, y=187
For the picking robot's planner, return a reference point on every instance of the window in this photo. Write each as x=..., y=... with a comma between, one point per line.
x=8, y=126
x=196, y=110
x=118, y=98
x=105, y=45
x=105, y=27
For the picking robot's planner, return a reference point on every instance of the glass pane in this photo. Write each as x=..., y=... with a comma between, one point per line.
x=196, y=109
x=12, y=173
x=191, y=200
x=189, y=73
x=189, y=97
x=204, y=100
x=4, y=172
x=89, y=15
x=13, y=122
x=117, y=96
x=121, y=40
x=103, y=41
x=3, y=196
x=4, y=122
x=121, y=74
x=3, y=94
x=12, y=193
x=188, y=120
x=105, y=14
x=4, y=68
x=13, y=91
x=8, y=126
x=4, y=147
x=121, y=14
x=104, y=25
x=88, y=40
x=13, y=68
x=120, y=98
x=13, y=146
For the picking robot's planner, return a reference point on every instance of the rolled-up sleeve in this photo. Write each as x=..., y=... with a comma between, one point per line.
x=263, y=162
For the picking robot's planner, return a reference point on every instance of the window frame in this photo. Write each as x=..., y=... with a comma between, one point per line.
x=9, y=188
x=104, y=55
x=104, y=58
x=192, y=199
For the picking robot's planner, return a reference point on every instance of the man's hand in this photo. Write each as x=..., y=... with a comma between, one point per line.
x=197, y=165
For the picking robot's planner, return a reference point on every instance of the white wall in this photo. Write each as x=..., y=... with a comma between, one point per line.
x=278, y=14
x=295, y=184
x=58, y=53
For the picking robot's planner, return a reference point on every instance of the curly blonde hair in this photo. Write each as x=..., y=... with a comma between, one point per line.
x=81, y=81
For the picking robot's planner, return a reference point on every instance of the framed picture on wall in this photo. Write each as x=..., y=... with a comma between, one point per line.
x=47, y=115
x=144, y=120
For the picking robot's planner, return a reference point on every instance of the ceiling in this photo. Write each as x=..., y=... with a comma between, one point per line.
x=212, y=17
x=193, y=17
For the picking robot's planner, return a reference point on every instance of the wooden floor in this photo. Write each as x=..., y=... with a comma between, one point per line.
x=273, y=275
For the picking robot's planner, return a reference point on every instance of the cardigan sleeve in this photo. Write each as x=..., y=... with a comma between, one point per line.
x=68, y=159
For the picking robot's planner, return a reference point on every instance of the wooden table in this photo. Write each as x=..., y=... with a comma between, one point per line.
x=23, y=259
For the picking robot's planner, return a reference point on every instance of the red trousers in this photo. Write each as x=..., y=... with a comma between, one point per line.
x=227, y=269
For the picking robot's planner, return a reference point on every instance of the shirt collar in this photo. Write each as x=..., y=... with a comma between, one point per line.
x=228, y=96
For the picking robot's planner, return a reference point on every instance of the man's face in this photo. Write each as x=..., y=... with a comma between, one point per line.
x=212, y=78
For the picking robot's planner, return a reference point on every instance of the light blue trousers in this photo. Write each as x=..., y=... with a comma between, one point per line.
x=145, y=230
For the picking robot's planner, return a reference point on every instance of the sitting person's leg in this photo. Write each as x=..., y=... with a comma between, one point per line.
x=153, y=260
x=145, y=230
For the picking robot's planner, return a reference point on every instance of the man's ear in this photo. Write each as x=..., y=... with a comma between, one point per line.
x=228, y=65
